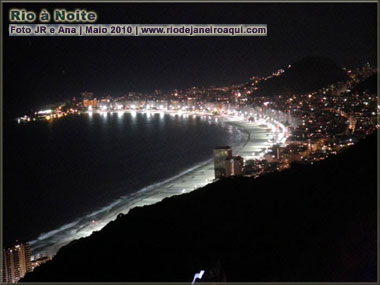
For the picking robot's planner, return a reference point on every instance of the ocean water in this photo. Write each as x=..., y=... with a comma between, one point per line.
x=56, y=172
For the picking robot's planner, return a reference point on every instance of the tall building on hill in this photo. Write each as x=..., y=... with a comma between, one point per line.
x=16, y=262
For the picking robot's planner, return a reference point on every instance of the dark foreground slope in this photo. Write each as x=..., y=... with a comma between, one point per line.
x=309, y=223
x=306, y=75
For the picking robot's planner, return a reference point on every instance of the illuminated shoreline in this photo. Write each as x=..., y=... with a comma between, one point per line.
x=259, y=136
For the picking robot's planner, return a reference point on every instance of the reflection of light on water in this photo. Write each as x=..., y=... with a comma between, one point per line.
x=104, y=115
x=148, y=115
x=133, y=114
x=120, y=114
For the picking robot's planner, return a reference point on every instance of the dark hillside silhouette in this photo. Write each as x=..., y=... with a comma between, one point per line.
x=308, y=223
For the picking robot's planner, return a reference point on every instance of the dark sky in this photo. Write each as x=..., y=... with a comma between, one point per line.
x=40, y=70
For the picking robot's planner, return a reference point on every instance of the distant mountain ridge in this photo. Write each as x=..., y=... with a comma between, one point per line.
x=306, y=75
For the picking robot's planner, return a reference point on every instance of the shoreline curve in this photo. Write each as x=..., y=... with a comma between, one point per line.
x=259, y=137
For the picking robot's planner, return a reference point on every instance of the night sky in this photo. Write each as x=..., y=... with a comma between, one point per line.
x=39, y=70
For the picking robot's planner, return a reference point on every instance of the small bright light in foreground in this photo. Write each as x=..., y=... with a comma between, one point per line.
x=198, y=276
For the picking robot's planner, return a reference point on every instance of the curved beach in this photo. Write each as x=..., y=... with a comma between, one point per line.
x=258, y=136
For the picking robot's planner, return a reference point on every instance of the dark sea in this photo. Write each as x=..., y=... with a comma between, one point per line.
x=55, y=172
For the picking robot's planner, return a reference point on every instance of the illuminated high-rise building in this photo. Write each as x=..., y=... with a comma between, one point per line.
x=16, y=262
x=221, y=157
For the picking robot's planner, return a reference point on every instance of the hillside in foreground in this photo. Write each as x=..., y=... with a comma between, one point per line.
x=308, y=223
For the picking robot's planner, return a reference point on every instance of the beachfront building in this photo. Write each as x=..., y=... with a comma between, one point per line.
x=93, y=103
x=16, y=262
x=221, y=160
x=238, y=166
x=229, y=170
x=234, y=166
x=226, y=165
